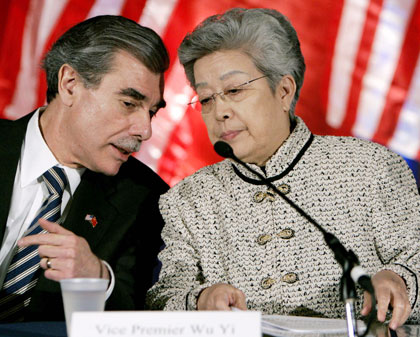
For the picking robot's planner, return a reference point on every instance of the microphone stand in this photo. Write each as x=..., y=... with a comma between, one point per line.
x=348, y=296
x=345, y=258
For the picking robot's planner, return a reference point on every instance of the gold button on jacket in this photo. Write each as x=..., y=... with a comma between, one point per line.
x=267, y=283
x=286, y=233
x=263, y=239
x=290, y=278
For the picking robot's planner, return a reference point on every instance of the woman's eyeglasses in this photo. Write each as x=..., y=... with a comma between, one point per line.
x=233, y=94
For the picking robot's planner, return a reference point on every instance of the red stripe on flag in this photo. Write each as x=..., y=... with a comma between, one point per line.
x=187, y=154
x=184, y=17
x=74, y=12
x=11, y=50
x=4, y=15
x=401, y=82
x=318, y=46
x=133, y=9
x=180, y=22
x=361, y=63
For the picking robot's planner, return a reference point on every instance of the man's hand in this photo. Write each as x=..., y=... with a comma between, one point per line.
x=390, y=289
x=69, y=255
x=221, y=297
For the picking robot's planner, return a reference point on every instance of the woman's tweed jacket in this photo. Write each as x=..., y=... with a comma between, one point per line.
x=222, y=229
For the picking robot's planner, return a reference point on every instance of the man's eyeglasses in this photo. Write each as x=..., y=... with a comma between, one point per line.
x=234, y=94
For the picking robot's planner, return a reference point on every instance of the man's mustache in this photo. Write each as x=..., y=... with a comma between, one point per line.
x=129, y=144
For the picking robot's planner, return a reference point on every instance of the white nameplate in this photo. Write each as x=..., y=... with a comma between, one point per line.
x=167, y=324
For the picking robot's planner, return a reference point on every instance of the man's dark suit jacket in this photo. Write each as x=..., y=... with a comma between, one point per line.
x=127, y=234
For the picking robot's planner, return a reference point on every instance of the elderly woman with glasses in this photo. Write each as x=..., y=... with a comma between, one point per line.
x=230, y=240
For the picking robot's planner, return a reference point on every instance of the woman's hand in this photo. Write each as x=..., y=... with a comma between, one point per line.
x=221, y=296
x=390, y=289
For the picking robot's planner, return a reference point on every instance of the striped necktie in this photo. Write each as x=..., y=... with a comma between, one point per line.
x=24, y=270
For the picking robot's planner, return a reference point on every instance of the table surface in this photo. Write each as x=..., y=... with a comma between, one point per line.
x=33, y=329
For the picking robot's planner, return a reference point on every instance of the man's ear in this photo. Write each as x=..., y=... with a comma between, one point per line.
x=68, y=80
x=286, y=90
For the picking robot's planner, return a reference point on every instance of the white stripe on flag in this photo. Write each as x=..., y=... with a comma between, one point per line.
x=382, y=63
x=177, y=95
x=25, y=93
x=156, y=14
x=51, y=12
x=346, y=47
x=109, y=7
x=406, y=140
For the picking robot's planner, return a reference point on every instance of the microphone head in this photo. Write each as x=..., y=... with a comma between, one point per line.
x=224, y=149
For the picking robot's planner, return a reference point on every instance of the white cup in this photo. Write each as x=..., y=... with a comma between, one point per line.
x=82, y=294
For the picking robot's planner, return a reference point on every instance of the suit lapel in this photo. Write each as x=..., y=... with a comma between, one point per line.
x=12, y=136
x=92, y=198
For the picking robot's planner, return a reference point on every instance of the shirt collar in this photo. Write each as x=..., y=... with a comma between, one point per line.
x=36, y=157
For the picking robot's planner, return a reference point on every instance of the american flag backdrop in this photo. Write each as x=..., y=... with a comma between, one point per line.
x=362, y=79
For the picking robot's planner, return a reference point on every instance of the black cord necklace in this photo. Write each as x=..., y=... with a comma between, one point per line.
x=282, y=174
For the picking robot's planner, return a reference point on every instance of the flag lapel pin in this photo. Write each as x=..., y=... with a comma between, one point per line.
x=91, y=219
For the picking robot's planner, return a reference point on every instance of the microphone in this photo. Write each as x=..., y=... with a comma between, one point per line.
x=347, y=259
x=224, y=150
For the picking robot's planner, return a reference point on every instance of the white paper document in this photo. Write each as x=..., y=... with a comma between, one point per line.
x=277, y=325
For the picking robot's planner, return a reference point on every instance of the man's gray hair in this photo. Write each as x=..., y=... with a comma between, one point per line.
x=265, y=35
x=90, y=46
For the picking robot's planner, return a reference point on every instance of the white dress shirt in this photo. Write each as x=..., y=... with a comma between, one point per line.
x=29, y=192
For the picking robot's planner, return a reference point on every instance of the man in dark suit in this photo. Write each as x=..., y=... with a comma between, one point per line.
x=105, y=83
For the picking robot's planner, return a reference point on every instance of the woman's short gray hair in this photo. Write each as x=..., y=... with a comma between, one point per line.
x=90, y=46
x=265, y=35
